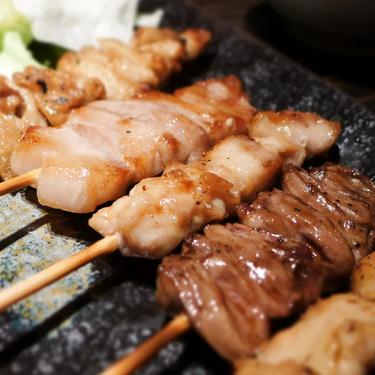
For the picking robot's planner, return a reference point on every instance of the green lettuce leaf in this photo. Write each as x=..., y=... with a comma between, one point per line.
x=15, y=56
x=12, y=20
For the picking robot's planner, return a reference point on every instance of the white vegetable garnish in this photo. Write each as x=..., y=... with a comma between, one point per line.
x=149, y=19
x=74, y=23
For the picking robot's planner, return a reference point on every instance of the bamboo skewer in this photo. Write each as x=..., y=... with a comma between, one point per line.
x=148, y=349
x=51, y=274
x=143, y=353
x=19, y=182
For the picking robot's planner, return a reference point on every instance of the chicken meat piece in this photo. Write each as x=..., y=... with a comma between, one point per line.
x=18, y=110
x=108, y=145
x=161, y=48
x=186, y=197
x=363, y=277
x=335, y=337
x=147, y=62
x=129, y=217
x=11, y=130
x=57, y=93
x=19, y=102
x=252, y=367
x=41, y=96
x=308, y=130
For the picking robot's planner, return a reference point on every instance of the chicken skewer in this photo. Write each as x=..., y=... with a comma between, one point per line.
x=363, y=277
x=112, y=71
x=354, y=194
x=336, y=336
x=200, y=198
x=147, y=62
x=223, y=197
x=108, y=145
x=235, y=169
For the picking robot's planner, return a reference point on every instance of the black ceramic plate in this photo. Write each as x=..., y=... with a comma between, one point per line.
x=85, y=322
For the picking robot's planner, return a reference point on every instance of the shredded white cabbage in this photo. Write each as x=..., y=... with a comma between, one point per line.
x=74, y=23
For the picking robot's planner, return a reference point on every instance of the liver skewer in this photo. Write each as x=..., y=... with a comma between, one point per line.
x=355, y=201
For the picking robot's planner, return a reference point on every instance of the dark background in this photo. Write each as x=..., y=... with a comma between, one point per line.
x=349, y=72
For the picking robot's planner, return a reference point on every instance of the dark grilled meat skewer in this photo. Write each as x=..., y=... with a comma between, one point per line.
x=289, y=248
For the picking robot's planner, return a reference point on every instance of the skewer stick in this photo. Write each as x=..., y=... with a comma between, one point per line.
x=147, y=350
x=19, y=182
x=143, y=353
x=46, y=277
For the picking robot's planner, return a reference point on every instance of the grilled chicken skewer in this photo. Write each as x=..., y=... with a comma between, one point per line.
x=335, y=337
x=248, y=165
x=186, y=197
x=308, y=130
x=287, y=151
x=189, y=197
x=147, y=62
x=263, y=160
x=363, y=277
x=108, y=145
x=218, y=201
x=238, y=276
x=113, y=70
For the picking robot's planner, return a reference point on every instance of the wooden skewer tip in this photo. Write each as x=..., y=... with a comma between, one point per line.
x=19, y=182
x=143, y=353
x=32, y=284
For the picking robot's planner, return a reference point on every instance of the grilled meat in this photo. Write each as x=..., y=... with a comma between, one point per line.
x=186, y=197
x=255, y=276
x=147, y=62
x=19, y=102
x=345, y=197
x=279, y=259
x=108, y=145
x=57, y=93
x=169, y=208
x=288, y=215
x=308, y=130
x=41, y=96
x=334, y=337
x=18, y=110
x=11, y=130
x=363, y=277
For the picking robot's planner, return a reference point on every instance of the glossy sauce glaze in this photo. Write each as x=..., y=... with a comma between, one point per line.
x=272, y=264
